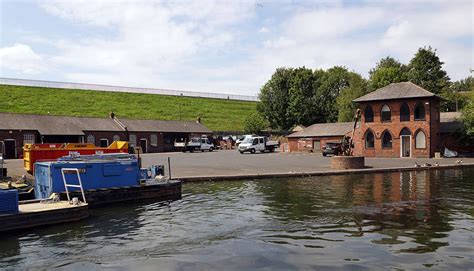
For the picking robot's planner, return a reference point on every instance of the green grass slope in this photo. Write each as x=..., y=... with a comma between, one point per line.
x=216, y=114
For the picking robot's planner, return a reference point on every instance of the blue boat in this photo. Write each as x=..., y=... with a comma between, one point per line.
x=94, y=174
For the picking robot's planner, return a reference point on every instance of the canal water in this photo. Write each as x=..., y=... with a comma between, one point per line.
x=409, y=220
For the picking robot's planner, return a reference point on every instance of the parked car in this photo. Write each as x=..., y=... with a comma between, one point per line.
x=331, y=148
x=257, y=143
x=180, y=144
x=241, y=139
x=199, y=144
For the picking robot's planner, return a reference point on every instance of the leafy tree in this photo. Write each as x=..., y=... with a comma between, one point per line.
x=388, y=70
x=357, y=87
x=274, y=99
x=425, y=69
x=333, y=82
x=302, y=108
x=255, y=123
x=468, y=120
x=455, y=95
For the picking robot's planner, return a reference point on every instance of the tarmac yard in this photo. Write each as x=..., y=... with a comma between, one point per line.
x=232, y=164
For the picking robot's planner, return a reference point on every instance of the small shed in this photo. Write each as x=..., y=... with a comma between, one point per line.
x=314, y=137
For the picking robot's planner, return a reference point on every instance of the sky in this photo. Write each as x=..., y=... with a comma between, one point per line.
x=223, y=46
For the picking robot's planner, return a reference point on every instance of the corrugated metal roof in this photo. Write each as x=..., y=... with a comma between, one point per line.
x=164, y=126
x=66, y=125
x=395, y=91
x=325, y=129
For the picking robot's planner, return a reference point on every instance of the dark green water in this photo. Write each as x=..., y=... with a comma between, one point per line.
x=411, y=220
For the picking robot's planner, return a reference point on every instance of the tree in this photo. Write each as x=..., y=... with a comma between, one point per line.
x=301, y=106
x=255, y=123
x=388, y=70
x=333, y=82
x=455, y=95
x=357, y=87
x=467, y=136
x=425, y=69
x=274, y=99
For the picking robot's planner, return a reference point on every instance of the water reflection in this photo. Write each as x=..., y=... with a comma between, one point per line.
x=374, y=221
x=399, y=207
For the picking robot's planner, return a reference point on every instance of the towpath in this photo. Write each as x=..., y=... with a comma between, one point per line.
x=230, y=163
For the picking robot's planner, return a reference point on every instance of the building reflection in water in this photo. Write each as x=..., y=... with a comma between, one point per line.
x=404, y=207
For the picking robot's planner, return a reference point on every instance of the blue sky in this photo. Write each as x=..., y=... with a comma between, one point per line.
x=223, y=46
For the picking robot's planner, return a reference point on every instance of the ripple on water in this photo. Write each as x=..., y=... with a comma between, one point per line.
x=409, y=220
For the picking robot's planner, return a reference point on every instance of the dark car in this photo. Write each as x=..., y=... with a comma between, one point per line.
x=331, y=148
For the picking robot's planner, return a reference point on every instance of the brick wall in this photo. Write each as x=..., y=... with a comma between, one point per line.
x=430, y=126
x=306, y=144
x=18, y=136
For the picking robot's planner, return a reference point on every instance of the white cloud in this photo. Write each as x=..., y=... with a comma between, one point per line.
x=151, y=39
x=227, y=46
x=20, y=58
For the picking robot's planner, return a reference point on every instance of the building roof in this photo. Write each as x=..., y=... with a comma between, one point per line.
x=394, y=91
x=450, y=122
x=325, y=129
x=66, y=125
x=165, y=126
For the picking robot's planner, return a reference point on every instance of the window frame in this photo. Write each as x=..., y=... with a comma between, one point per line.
x=29, y=138
x=382, y=115
x=373, y=139
x=409, y=113
x=90, y=136
x=383, y=138
x=417, y=106
x=416, y=139
x=154, y=140
x=371, y=112
x=134, y=143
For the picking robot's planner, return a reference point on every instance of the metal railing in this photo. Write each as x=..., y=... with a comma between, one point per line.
x=68, y=85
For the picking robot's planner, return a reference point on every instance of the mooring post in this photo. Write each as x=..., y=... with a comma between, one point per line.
x=169, y=167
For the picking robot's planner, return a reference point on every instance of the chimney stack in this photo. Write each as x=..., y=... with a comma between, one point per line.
x=112, y=115
x=198, y=120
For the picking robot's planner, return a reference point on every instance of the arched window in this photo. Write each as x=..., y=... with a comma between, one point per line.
x=404, y=112
x=91, y=139
x=420, y=140
x=369, y=140
x=420, y=112
x=369, y=114
x=386, y=140
x=405, y=131
x=116, y=138
x=385, y=115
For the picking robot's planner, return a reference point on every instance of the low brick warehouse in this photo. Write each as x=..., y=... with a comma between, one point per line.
x=151, y=135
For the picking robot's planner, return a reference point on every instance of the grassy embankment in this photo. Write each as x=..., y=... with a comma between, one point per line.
x=216, y=114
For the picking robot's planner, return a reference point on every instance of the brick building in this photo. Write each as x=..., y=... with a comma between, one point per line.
x=398, y=120
x=314, y=137
x=151, y=135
